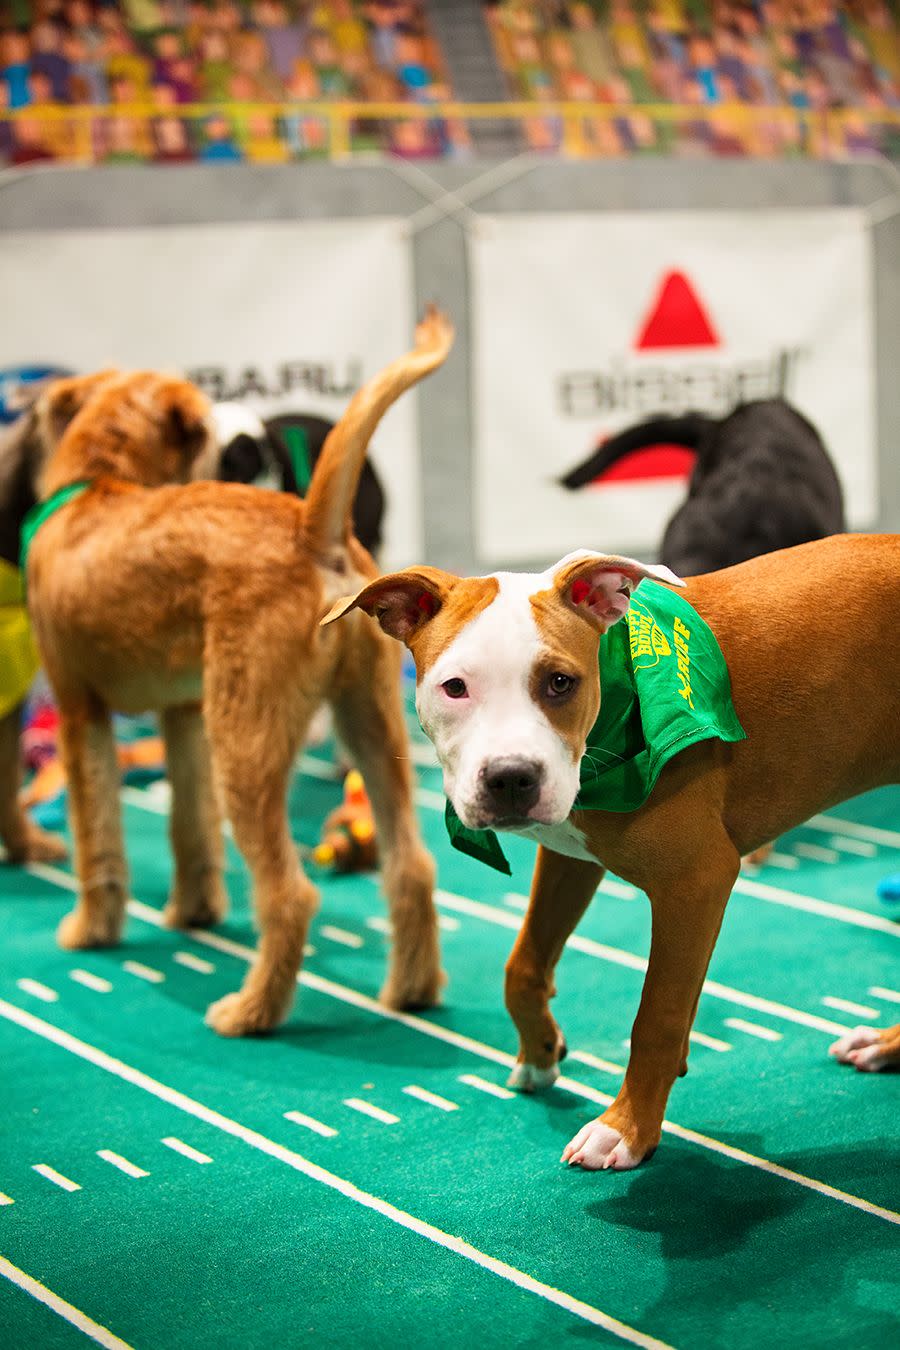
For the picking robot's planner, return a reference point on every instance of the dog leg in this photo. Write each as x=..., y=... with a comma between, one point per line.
x=252, y=761
x=869, y=1048
x=23, y=840
x=369, y=719
x=561, y=890
x=686, y=922
x=198, y=897
x=89, y=758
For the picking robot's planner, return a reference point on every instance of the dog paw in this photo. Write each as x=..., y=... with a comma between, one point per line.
x=868, y=1049
x=412, y=992
x=79, y=930
x=529, y=1078
x=40, y=846
x=204, y=908
x=240, y=1015
x=599, y=1148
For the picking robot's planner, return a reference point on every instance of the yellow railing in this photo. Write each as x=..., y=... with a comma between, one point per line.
x=824, y=127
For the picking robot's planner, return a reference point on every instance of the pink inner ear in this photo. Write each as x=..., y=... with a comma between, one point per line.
x=426, y=603
x=606, y=595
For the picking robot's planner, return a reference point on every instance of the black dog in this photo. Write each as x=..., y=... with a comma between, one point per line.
x=287, y=448
x=762, y=480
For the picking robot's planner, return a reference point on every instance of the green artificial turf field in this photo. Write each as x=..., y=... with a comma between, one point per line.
x=364, y=1177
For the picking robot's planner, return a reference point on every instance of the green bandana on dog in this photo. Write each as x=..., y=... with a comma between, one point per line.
x=664, y=685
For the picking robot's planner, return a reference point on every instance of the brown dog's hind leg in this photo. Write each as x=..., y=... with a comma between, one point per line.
x=198, y=897
x=561, y=890
x=254, y=738
x=687, y=915
x=89, y=758
x=369, y=719
x=869, y=1049
x=23, y=840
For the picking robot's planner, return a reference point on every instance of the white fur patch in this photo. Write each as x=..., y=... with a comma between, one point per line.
x=566, y=839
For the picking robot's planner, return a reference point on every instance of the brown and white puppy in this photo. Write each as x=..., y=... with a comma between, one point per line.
x=508, y=689
x=24, y=450
x=214, y=592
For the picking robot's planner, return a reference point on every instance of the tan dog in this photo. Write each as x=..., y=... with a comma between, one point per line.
x=508, y=690
x=215, y=591
x=24, y=450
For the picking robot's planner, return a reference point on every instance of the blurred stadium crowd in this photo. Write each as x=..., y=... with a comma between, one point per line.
x=178, y=81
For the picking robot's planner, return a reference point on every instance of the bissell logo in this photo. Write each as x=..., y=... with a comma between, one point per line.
x=646, y=382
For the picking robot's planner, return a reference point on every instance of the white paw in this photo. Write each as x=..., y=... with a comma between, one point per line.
x=529, y=1078
x=861, y=1047
x=597, y=1147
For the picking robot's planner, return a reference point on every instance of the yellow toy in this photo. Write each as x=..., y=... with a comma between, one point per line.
x=348, y=842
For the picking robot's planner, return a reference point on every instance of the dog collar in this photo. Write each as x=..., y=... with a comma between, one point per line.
x=664, y=685
x=41, y=512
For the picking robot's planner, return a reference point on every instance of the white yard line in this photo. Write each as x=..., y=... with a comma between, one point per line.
x=787, y=861
x=761, y=890
x=143, y=972
x=193, y=962
x=753, y=1029
x=116, y=1160
x=310, y=1123
x=340, y=935
x=889, y=995
x=186, y=1151
x=6, y=1199
x=860, y=847
x=711, y=1042
x=616, y=956
x=91, y=981
x=595, y=1062
x=430, y=1098
x=845, y=1005
x=368, y=1109
x=38, y=990
x=45, y=1170
x=480, y=1084
x=314, y=1172
x=86, y=1325
x=817, y=853
x=412, y=1022
x=833, y=824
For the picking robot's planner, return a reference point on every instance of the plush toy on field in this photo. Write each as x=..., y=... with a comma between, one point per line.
x=348, y=842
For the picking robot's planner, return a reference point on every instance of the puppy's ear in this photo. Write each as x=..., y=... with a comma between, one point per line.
x=403, y=603
x=598, y=586
x=62, y=399
x=187, y=413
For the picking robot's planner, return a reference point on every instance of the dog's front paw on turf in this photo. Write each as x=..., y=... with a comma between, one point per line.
x=78, y=931
x=531, y=1078
x=598, y=1147
x=240, y=1015
x=869, y=1049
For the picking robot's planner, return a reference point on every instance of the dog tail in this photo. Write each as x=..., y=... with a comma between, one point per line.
x=687, y=431
x=329, y=502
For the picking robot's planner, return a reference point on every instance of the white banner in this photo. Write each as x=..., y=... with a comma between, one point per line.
x=585, y=324
x=286, y=317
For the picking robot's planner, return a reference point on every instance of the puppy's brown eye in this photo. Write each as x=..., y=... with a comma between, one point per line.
x=455, y=688
x=560, y=684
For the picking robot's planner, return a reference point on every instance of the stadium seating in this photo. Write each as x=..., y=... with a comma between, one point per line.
x=268, y=81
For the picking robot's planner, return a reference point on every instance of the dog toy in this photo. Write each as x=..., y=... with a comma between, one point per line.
x=348, y=842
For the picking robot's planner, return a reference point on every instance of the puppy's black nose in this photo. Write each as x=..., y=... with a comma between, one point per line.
x=512, y=786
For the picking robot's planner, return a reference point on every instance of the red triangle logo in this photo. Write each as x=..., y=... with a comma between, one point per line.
x=676, y=318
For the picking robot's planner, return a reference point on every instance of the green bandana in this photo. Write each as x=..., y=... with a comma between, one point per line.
x=664, y=685
x=43, y=511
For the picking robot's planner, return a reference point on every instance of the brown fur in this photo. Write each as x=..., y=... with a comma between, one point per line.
x=812, y=640
x=213, y=592
x=24, y=450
